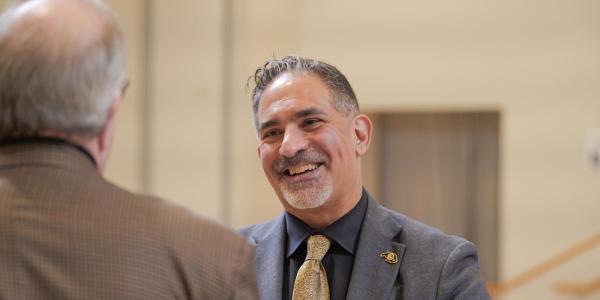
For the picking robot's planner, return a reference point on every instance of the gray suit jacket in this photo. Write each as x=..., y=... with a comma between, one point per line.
x=66, y=233
x=431, y=264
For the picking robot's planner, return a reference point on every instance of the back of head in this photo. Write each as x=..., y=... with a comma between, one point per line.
x=62, y=64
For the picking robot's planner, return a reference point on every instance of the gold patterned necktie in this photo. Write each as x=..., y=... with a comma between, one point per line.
x=311, y=280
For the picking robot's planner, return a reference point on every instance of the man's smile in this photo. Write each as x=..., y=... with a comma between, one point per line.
x=302, y=169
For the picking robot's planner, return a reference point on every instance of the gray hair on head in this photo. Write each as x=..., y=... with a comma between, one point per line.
x=343, y=98
x=52, y=81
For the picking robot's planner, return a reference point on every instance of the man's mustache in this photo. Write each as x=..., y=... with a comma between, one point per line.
x=302, y=157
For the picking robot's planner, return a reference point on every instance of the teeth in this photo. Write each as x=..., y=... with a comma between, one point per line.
x=300, y=169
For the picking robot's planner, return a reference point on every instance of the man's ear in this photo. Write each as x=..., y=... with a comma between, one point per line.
x=105, y=136
x=363, y=130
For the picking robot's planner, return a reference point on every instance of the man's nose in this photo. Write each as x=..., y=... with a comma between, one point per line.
x=293, y=142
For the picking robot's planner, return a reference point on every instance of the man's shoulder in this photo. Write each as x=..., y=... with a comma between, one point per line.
x=435, y=261
x=177, y=217
x=202, y=246
x=261, y=230
x=423, y=238
x=169, y=221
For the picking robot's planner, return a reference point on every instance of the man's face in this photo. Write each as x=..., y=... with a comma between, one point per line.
x=307, y=147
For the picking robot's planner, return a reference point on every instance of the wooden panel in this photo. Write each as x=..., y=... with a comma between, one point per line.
x=442, y=169
x=185, y=97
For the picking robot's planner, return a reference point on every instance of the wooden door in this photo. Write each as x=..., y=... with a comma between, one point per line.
x=441, y=169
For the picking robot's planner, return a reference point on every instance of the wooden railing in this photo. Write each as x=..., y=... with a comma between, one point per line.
x=497, y=289
x=579, y=289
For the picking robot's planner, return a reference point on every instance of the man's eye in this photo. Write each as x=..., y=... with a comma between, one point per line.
x=271, y=133
x=311, y=122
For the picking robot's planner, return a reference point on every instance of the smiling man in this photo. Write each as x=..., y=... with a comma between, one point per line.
x=334, y=241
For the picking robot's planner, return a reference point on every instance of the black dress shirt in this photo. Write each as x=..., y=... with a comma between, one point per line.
x=339, y=259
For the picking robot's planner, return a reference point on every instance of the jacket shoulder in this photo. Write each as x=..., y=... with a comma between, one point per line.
x=446, y=264
x=259, y=231
x=214, y=258
x=417, y=234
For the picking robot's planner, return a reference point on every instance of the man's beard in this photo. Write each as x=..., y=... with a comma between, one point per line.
x=310, y=194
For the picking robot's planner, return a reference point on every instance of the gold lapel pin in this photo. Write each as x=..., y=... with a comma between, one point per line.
x=389, y=257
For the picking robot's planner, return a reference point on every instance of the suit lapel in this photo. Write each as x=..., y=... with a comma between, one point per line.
x=270, y=258
x=373, y=277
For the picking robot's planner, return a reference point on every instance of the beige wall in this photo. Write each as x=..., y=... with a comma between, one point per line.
x=126, y=164
x=169, y=126
x=537, y=62
x=184, y=96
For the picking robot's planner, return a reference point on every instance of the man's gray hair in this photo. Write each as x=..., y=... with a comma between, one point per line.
x=45, y=86
x=343, y=98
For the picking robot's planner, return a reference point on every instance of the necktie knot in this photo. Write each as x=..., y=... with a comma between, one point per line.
x=317, y=247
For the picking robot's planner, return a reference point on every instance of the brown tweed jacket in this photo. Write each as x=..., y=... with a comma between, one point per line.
x=66, y=233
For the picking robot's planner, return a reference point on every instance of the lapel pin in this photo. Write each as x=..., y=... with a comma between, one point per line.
x=389, y=257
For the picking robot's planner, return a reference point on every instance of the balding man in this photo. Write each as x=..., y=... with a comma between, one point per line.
x=65, y=232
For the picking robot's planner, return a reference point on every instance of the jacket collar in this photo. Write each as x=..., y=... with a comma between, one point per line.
x=270, y=249
x=57, y=155
x=378, y=257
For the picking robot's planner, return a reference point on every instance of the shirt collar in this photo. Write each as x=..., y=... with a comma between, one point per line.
x=47, y=140
x=344, y=231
